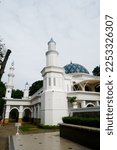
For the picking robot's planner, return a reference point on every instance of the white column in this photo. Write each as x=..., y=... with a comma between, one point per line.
x=7, y=113
x=20, y=114
x=83, y=104
x=82, y=86
x=38, y=110
x=34, y=111
x=75, y=105
x=97, y=103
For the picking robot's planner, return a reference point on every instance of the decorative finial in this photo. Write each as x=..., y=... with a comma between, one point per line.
x=12, y=64
x=26, y=83
x=51, y=41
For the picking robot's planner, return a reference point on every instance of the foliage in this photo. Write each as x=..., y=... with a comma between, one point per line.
x=31, y=128
x=96, y=71
x=17, y=93
x=28, y=127
x=71, y=99
x=35, y=87
x=2, y=94
x=93, y=122
x=48, y=126
x=2, y=102
x=2, y=89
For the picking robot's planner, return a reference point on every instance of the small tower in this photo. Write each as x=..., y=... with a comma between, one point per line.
x=9, y=85
x=51, y=54
x=26, y=91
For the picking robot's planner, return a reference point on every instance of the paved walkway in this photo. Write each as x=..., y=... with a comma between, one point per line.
x=6, y=131
x=44, y=141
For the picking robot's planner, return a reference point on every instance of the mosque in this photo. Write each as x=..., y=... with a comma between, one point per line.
x=50, y=103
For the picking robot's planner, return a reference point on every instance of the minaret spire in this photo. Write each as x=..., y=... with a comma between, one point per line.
x=26, y=91
x=51, y=45
x=52, y=54
x=9, y=85
x=51, y=41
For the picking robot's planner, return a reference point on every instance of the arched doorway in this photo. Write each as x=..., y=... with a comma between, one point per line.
x=26, y=115
x=13, y=116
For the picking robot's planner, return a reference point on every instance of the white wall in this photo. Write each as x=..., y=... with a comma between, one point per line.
x=54, y=107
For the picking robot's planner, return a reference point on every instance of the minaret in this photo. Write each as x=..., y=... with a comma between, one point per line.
x=54, y=98
x=26, y=91
x=51, y=54
x=9, y=85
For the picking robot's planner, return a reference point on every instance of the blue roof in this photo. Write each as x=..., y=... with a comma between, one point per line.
x=75, y=68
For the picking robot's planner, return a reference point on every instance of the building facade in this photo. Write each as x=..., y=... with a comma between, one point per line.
x=60, y=84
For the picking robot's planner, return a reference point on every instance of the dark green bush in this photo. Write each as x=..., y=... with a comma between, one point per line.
x=92, y=122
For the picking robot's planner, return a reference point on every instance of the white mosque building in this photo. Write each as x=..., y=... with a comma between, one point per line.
x=50, y=103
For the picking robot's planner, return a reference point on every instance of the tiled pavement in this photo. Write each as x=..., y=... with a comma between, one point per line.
x=6, y=131
x=44, y=141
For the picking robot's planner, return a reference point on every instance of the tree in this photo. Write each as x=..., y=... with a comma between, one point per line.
x=96, y=71
x=4, y=55
x=2, y=94
x=3, y=63
x=17, y=93
x=35, y=87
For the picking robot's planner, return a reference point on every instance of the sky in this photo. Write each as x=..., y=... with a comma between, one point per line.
x=26, y=26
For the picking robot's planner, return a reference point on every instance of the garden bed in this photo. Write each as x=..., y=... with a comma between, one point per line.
x=28, y=128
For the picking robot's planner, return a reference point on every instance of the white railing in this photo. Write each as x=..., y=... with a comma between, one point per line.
x=85, y=95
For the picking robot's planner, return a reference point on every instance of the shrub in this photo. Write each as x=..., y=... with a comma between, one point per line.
x=93, y=122
x=71, y=99
x=48, y=126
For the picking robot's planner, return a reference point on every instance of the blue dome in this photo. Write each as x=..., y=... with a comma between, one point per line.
x=75, y=68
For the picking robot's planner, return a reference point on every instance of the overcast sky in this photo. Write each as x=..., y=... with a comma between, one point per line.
x=27, y=25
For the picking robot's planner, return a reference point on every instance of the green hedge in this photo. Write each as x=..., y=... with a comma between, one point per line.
x=48, y=126
x=92, y=122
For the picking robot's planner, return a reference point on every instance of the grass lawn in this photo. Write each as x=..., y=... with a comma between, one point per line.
x=28, y=128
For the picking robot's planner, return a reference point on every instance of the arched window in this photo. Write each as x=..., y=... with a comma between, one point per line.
x=54, y=81
x=49, y=81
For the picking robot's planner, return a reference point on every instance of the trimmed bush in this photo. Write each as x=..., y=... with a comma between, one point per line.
x=92, y=122
x=48, y=126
